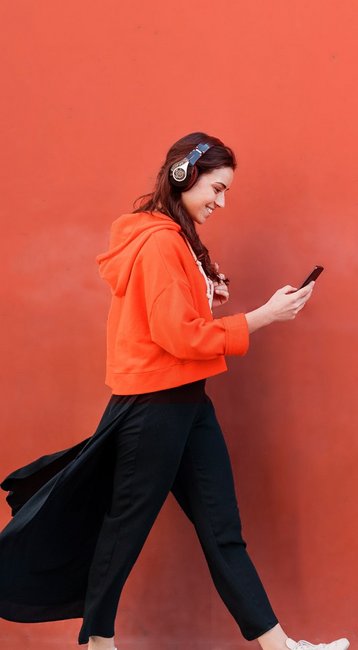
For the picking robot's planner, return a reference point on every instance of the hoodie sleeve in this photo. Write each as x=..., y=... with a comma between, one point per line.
x=177, y=327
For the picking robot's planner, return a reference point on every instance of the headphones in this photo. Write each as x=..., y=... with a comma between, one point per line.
x=183, y=174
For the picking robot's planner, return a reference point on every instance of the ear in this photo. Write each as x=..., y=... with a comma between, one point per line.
x=193, y=178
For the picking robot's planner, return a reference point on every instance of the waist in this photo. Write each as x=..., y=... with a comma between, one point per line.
x=174, y=376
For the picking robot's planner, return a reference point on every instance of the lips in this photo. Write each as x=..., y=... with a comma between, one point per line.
x=210, y=210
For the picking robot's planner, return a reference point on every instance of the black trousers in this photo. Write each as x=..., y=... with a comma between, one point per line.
x=171, y=441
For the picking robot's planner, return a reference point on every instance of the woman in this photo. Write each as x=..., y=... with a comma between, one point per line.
x=83, y=515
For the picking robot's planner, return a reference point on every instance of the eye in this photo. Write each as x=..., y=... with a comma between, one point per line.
x=217, y=190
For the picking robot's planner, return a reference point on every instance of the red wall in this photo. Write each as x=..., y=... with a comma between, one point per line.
x=95, y=92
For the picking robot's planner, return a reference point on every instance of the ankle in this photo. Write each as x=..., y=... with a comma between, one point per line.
x=101, y=643
x=274, y=639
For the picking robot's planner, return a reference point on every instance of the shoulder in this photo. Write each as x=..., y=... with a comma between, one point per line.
x=165, y=252
x=166, y=243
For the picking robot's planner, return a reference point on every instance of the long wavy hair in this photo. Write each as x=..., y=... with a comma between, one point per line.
x=166, y=198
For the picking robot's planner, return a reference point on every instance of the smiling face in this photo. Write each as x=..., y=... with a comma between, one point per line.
x=207, y=194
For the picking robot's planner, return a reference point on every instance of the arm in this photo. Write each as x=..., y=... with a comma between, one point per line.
x=279, y=307
x=177, y=327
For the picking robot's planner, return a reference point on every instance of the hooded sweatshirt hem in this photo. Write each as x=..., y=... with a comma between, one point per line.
x=178, y=374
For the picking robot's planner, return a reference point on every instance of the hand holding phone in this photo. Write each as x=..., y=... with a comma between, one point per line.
x=278, y=308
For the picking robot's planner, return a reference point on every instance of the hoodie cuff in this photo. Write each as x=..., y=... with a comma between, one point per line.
x=237, y=334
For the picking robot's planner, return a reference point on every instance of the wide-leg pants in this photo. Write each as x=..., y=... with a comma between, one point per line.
x=171, y=441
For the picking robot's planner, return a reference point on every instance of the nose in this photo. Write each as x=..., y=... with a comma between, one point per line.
x=220, y=199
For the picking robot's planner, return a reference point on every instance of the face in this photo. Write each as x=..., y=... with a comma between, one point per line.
x=207, y=194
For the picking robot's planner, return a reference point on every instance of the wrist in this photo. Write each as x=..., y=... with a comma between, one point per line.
x=258, y=318
x=267, y=314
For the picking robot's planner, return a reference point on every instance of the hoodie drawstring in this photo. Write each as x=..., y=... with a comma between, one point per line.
x=209, y=283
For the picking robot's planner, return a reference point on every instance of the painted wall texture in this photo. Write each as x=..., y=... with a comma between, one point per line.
x=93, y=94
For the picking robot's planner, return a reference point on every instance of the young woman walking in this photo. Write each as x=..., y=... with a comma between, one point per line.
x=82, y=515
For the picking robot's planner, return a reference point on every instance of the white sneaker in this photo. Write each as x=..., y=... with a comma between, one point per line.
x=339, y=644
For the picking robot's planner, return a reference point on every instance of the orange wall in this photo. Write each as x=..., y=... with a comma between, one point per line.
x=95, y=92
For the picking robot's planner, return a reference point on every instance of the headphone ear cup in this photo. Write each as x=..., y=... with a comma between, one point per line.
x=175, y=177
x=192, y=178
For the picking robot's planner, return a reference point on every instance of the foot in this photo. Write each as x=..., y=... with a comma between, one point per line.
x=339, y=644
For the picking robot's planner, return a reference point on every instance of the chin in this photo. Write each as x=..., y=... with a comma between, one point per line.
x=201, y=218
x=198, y=218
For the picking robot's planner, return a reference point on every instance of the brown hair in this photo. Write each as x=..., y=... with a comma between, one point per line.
x=168, y=197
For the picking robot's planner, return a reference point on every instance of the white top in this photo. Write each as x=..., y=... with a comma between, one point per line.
x=209, y=282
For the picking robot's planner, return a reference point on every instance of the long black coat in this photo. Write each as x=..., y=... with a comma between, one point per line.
x=58, y=502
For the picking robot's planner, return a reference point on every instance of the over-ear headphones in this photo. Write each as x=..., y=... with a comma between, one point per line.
x=183, y=174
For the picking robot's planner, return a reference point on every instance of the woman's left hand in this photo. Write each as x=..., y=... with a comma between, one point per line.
x=221, y=292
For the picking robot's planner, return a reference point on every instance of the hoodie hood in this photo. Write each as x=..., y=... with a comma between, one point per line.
x=128, y=234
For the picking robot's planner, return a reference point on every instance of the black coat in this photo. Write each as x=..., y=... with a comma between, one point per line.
x=58, y=502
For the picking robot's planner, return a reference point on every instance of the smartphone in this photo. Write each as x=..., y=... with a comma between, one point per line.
x=312, y=276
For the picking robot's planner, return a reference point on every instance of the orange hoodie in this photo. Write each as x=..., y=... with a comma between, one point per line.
x=160, y=331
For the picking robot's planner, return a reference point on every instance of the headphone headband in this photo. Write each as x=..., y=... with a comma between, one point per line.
x=196, y=153
x=181, y=172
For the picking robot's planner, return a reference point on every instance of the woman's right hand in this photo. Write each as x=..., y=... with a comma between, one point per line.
x=285, y=305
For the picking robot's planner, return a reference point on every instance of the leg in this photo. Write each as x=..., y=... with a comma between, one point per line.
x=204, y=488
x=149, y=446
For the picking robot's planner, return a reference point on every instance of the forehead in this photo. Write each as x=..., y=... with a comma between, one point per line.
x=221, y=175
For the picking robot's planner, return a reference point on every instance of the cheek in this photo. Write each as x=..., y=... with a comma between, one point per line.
x=203, y=198
x=193, y=201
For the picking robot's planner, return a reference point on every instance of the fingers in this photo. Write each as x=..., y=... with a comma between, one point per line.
x=221, y=275
x=306, y=290
x=299, y=304
x=222, y=289
x=299, y=292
